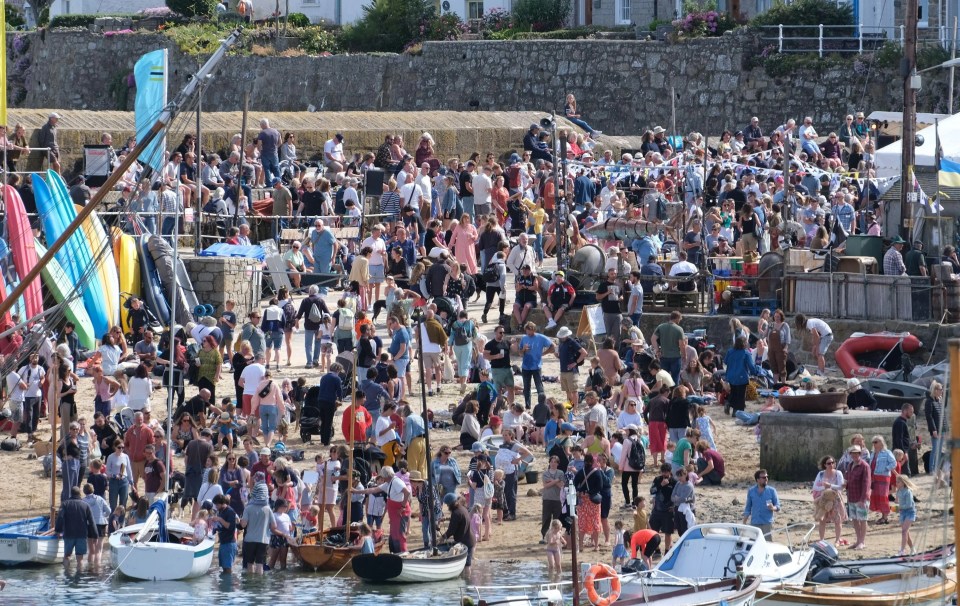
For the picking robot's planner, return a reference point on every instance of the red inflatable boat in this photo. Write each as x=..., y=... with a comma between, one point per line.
x=856, y=354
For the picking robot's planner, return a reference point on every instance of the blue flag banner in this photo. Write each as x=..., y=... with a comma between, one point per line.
x=150, y=74
x=949, y=173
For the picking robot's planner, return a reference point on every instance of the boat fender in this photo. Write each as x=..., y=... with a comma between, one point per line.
x=599, y=572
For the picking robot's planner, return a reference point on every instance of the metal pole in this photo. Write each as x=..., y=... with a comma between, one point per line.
x=426, y=439
x=572, y=509
x=353, y=429
x=953, y=55
x=53, y=402
x=197, y=179
x=908, y=67
x=953, y=444
x=239, y=190
x=165, y=118
x=172, y=333
x=673, y=110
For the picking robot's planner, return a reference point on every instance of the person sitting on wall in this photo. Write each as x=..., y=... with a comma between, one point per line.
x=859, y=398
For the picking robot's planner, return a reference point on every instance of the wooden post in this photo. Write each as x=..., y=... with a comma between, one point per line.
x=908, y=68
x=53, y=404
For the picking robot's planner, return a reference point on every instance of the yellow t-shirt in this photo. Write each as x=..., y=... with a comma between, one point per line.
x=536, y=217
x=640, y=520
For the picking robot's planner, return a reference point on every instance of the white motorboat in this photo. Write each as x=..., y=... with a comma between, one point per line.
x=29, y=541
x=721, y=551
x=420, y=566
x=141, y=551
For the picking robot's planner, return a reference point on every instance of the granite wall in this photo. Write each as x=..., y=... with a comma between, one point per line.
x=217, y=279
x=622, y=86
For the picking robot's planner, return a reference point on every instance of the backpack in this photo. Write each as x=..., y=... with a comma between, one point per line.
x=290, y=314
x=661, y=211
x=210, y=207
x=636, y=458
x=314, y=315
x=460, y=334
x=557, y=451
x=491, y=275
x=345, y=322
x=470, y=287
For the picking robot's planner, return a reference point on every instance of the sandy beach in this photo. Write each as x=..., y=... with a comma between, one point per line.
x=27, y=491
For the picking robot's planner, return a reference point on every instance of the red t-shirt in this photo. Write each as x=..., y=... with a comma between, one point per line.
x=362, y=420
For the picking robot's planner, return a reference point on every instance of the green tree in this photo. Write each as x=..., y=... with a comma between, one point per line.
x=13, y=15
x=193, y=8
x=389, y=26
x=806, y=12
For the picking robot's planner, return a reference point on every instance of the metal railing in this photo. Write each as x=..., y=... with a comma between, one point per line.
x=827, y=39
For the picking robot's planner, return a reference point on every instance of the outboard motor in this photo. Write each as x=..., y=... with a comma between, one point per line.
x=825, y=554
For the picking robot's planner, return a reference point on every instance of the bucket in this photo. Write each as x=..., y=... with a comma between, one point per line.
x=533, y=477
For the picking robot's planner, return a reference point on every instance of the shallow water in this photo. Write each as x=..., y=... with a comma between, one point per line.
x=51, y=587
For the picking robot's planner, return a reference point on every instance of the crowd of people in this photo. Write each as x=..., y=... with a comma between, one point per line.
x=450, y=232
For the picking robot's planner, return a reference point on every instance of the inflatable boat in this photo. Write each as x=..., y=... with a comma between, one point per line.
x=870, y=355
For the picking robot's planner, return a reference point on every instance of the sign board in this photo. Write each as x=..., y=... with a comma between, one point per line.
x=591, y=321
x=96, y=164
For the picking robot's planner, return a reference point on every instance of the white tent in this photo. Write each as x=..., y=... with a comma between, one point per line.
x=888, y=158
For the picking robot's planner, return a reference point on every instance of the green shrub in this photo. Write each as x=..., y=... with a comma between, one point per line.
x=193, y=8
x=77, y=20
x=658, y=22
x=888, y=55
x=788, y=64
x=540, y=15
x=444, y=27
x=196, y=38
x=806, y=12
x=388, y=25
x=930, y=56
x=574, y=33
x=298, y=20
x=13, y=15
x=316, y=40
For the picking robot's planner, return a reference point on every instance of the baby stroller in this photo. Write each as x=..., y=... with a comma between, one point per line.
x=310, y=414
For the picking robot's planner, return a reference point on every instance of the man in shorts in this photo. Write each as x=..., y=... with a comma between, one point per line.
x=571, y=353
x=226, y=518
x=497, y=352
x=528, y=285
x=434, y=339
x=661, y=518
x=858, y=494
x=74, y=525
x=378, y=258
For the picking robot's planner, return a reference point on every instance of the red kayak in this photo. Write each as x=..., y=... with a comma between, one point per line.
x=871, y=355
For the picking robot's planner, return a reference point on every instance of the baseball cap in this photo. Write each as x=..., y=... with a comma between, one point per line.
x=265, y=451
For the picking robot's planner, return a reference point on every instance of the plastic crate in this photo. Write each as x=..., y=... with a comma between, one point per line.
x=752, y=306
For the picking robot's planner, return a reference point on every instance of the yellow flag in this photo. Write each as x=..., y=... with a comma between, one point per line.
x=3, y=62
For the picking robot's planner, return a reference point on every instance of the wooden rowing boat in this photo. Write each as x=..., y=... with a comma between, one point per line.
x=926, y=587
x=420, y=566
x=322, y=551
x=815, y=403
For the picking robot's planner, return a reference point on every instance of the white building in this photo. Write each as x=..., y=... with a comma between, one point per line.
x=340, y=12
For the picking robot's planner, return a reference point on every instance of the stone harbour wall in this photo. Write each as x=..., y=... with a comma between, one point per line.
x=622, y=86
x=216, y=279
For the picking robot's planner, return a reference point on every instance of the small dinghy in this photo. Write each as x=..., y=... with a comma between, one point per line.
x=420, y=566
x=892, y=395
x=29, y=541
x=160, y=549
x=926, y=587
x=827, y=568
x=815, y=403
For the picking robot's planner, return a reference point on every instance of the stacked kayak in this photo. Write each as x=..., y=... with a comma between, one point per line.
x=21, y=244
x=168, y=274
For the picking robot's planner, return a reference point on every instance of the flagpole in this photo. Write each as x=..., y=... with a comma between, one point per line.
x=936, y=199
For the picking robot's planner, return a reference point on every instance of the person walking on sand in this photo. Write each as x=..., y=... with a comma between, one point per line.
x=858, y=495
x=762, y=503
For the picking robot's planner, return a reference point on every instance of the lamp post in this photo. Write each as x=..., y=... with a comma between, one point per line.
x=909, y=140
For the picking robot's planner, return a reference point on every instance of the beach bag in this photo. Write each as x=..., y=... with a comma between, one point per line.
x=448, y=374
x=488, y=488
x=315, y=315
x=636, y=457
x=557, y=451
x=10, y=445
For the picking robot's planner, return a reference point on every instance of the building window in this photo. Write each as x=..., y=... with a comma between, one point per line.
x=474, y=10
x=923, y=6
x=623, y=12
x=596, y=4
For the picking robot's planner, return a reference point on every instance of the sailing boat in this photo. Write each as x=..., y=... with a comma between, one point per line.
x=160, y=549
x=333, y=548
x=32, y=541
x=428, y=565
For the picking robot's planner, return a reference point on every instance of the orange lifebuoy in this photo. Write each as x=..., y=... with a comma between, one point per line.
x=600, y=572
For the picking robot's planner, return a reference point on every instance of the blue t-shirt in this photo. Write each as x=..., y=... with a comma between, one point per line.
x=569, y=353
x=323, y=243
x=399, y=337
x=533, y=359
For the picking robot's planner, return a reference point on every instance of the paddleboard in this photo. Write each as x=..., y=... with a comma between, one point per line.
x=106, y=267
x=11, y=280
x=187, y=300
x=76, y=258
x=24, y=254
x=127, y=259
x=60, y=286
x=152, y=290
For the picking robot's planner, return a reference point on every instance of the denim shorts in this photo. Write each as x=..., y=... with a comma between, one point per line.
x=908, y=514
x=275, y=339
x=269, y=416
x=227, y=554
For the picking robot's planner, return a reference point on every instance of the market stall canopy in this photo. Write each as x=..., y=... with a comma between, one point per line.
x=888, y=158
